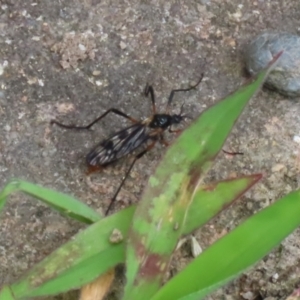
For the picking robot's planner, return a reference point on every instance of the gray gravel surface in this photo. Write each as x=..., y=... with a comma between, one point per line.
x=72, y=60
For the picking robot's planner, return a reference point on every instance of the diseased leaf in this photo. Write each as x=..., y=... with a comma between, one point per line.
x=209, y=200
x=79, y=261
x=161, y=214
x=235, y=252
x=90, y=250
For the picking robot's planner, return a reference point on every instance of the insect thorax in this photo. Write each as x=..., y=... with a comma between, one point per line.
x=161, y=121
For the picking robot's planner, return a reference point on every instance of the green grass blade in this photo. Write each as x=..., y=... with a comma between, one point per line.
x=235, y=252
x=80, y=274
x=90, y=253
x=6, y=294
x=160, y=216
x=63, y=269
x=8, y=189
x=65, y=204
x=209, y=200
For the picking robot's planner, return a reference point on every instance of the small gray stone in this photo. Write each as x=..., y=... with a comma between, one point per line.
x=285, y=77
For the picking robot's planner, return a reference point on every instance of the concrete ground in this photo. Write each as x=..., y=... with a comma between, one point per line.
x=72, y=60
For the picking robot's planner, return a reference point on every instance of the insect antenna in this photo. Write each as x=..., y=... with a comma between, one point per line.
x=171, y=96
x=149, y=90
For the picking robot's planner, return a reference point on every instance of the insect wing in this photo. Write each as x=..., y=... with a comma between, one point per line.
x=118, y=145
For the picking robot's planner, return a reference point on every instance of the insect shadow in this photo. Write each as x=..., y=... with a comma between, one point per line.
x=125, y=141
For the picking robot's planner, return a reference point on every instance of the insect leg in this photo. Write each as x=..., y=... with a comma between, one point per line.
x=138, y=156
x=175, y=130
x=149, y=89
x=232, y=153
x=112, y=110
x=171, y=96
x=163, y=140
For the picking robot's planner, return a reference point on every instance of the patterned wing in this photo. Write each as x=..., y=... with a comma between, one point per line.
x=118, y=145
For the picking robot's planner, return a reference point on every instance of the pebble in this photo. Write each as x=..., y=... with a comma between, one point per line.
x=123, y=45
x=248, y=295
x=285, y=77
x=96, y=73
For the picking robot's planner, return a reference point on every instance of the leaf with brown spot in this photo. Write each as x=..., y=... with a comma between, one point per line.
x=63, y=269
x=161, y=215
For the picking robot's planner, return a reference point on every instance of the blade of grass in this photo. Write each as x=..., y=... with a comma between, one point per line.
x=58, y=272
x=235, y=252
x=209, y=200
x=6, y=294
x=90, y=251
x=63, y=203
x=160, y=216
x=78, y=275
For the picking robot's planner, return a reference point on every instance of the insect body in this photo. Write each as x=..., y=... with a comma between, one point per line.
x=125, y=141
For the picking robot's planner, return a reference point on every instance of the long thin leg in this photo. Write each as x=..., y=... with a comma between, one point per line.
x=149, y=89
x=182, y=90
x=232, y=153
x=163, y=140
x=175, y=130
x=138, y=156
x=112, y=110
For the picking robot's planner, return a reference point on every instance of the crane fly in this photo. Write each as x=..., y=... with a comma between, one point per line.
x=125, y=141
